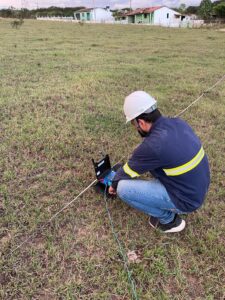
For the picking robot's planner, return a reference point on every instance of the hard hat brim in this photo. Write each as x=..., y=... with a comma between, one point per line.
x=149, y=110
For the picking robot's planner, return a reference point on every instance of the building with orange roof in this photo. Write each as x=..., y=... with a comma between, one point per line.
x=156, y=15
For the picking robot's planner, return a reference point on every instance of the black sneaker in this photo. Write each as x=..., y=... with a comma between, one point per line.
x=176, y=225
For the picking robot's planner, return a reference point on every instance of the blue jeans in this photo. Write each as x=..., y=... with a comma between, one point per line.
x=148, y=196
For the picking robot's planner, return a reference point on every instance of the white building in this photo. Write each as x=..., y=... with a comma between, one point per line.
x=156, y=15
x=98, y=15
x=165, y=16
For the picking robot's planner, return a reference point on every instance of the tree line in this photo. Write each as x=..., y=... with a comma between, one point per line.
x=207, y=9
x=24, y=13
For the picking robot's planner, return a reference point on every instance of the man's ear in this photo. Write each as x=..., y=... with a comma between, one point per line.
x=141, y=122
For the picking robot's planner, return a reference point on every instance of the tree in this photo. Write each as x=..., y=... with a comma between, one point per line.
x=193, y=10
x=205, y=9
x=182, y=8
x=220, y=10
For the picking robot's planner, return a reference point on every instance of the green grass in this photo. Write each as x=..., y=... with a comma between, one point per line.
x=61, y=95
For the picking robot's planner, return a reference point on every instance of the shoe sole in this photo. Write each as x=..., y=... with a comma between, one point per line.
x=177, y=229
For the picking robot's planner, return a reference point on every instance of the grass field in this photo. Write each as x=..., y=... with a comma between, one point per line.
x=62, y=88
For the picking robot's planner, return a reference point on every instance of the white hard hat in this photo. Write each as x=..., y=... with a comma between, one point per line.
x=137, y=103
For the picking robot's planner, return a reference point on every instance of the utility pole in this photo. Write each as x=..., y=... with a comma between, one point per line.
x=130, y=5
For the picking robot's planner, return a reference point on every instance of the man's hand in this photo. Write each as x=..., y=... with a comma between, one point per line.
x=112, y=191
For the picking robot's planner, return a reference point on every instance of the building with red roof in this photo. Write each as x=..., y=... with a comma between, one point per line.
x=156, y=15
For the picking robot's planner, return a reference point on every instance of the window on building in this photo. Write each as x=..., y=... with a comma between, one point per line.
x=145, y=16
x=168, y=16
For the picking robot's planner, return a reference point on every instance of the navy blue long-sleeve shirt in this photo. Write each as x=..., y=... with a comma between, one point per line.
x=172, y=153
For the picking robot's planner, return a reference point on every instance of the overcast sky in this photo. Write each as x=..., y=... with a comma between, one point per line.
x=90, y=3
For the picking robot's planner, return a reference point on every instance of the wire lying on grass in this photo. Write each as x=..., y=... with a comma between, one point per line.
x=131, y=281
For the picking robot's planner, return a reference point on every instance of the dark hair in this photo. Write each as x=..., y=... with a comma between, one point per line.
x=150, y=117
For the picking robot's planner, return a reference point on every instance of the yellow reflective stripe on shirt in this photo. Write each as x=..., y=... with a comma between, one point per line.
x=129, y=171
x=186, y=167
